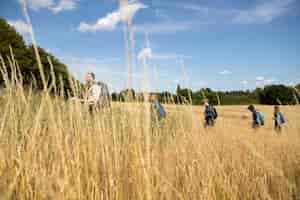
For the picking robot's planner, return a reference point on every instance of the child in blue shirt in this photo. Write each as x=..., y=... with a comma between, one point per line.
x=210, y=114
x=257, y=117
x=157, y=110
x=279, y=119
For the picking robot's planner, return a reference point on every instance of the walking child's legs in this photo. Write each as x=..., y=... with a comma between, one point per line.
x=278, y=128
x=255, y=125
x=209, y=122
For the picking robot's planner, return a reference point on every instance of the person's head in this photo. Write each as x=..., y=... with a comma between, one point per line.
x=153, y=98
x=90, y=77
x=251, y=108
x=276, y=109
x=206, y=102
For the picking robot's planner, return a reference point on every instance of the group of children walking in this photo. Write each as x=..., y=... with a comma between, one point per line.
x=258, y=119
x=211, y=115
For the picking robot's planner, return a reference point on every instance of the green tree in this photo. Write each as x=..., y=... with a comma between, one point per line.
x=184, y=95
x=26, y=60
x=297, y=89
x=277, y=94
x=127, y=95
x=166, y=97
x=10, y=38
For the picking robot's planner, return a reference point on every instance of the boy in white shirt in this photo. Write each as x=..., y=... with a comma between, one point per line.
x=93, y=92
x=93, y=89
x=97, y=95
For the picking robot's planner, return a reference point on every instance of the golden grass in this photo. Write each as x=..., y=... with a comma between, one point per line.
x=52, y=149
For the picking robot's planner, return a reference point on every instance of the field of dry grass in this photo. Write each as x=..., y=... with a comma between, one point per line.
x=52, y=149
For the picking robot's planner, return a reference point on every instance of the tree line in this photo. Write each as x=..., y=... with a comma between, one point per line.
x=269, y=95
x=15, y=53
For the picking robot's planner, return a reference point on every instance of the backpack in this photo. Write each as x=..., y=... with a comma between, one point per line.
x=211, y=111
x=104, y=96
x=215, y=113
x=280, y=118
x=260, y=118
x=160, y=110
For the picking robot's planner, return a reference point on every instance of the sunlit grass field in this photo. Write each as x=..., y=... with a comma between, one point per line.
x=53, y=149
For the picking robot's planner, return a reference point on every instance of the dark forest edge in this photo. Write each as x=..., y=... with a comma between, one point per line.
x=12, y=43
x=269, y=95
x=20, y=60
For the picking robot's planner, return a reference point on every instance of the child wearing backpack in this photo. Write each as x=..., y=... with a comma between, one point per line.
x=210, y=114
x=257, y=117
x=157, y=110
x=279, y=119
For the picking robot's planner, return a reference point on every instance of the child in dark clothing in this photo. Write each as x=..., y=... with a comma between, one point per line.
x=257, y=117
x=210, y=114
x=157, y=110
x=278, y=119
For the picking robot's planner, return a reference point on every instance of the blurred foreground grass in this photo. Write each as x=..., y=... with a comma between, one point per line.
x=52, y=149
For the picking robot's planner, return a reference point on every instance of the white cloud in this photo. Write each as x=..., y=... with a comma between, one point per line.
x=225, y=72
x=262, y=81
x=111, y=20
x=265, y=11
x=145, y=54
x=269, y=81
x=260, y=78
x=164, y=27
x=64, y=5
x=244, y=82
x=21, y=26
x=55, y=6
x=107, y=23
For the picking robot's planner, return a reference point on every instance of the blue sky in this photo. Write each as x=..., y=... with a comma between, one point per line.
x=220, y=44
